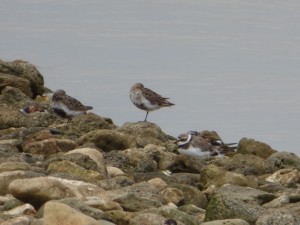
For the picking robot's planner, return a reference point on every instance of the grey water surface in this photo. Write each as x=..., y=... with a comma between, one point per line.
x=230, y=66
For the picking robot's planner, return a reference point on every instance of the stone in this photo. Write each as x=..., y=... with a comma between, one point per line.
x=7, y=177
x=285, y=177
x=173, y=195
x=75, y=170
x=159, y=183
x=49, y=146
x=214, y=175
x=36, y=190
x=253, y=147
x=248, y=164
x=288, y=214
x=193, y=211
x=147, y=219
x=20, y=220
x=15, y=81
x=114, y=171
x=59, y=213
x=227, y=222
x=26, y=209
x=106, y=140
x=116, y=182
x=232, y=201
x=284, y=160
x=144, y=133
x=192, y=195
x=12, y=166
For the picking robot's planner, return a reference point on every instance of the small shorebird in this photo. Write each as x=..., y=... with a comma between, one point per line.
x=198, y=144
x=146, y=99
x=66, y=106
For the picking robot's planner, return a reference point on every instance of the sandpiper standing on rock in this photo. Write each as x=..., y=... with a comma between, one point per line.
x=195, y=143
x=66, y=106
x=146, y=99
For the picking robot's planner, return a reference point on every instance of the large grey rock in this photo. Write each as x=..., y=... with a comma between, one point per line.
x=251, y=146
x=232, y=201
x=26, y=71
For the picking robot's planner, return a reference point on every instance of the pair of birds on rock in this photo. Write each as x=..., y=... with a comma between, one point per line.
x=192, y=143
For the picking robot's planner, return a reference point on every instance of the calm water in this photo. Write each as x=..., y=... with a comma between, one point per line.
x=230, y=66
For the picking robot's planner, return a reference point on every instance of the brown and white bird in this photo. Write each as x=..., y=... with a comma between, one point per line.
x=146, y=99
x=200, y=144
x=66, y=106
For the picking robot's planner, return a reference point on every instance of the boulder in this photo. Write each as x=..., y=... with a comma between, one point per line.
x=283, y=160
x=232, y=201
x=107, y=140
x=59, y=213
x=26, y=71
x=253, y=147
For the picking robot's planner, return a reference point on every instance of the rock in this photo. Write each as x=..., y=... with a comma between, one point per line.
x=159, y=183
x=227, y=222
x=173, y=195
x=179, y=216
x=133, y=203
x=232, y=201
x=26, y=209
x=248, y=164
x=101, y=203
x=144, y=133
x=114, y=171
x=277, y=202
x=213, y=175
x=7, y=177
x=192, y=195
x=12, y=166
x=252, y=147
x=93, y=154
x=75, y=170
x=49, y=146
x=36, y=190
x=147, y=219
x=285, y=177
x=193, y=211
x=21, y=220
x=284, y=160
x=119, y=217
x=106, y=140
x=288, y=214
x=83, y=124
x=116, y=182
x=15, y=81
x=58, y=213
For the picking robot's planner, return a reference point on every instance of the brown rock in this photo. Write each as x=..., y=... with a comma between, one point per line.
x=250, y=146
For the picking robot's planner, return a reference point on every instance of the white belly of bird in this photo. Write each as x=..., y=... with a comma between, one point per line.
x=62, y=106
x=195, y=152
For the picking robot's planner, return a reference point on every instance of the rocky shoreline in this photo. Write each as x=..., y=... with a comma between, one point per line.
x=89, y=171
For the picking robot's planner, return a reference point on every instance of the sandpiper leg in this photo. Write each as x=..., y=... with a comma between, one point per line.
x=145, y=120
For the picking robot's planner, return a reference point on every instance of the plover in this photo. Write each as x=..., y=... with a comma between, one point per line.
x=146, y=99
x=66, y=106
x=200, y=144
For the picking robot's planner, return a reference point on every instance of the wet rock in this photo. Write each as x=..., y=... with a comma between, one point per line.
x=288, y=214
x=49, y=146
x=253, y=147
x=36, y=190
x=227, y=222
x=75, y=170
x=55, y=213
x=213, y=175
x=284, y=160
x=248, y=164
x=106, y=140
x=144, y=133
x=24, y=70
x=285, y=177
x=232, y=201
